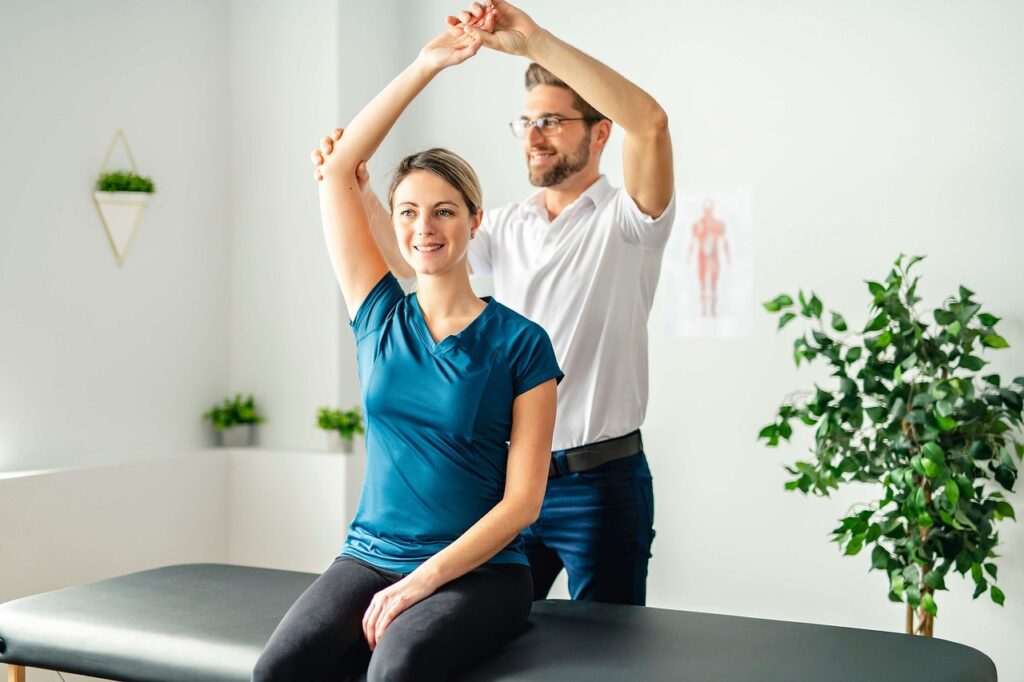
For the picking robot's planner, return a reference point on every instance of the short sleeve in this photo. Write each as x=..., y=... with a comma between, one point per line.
x=532, y=359
x=377, y=307
x=638, y=227
x=480, y=247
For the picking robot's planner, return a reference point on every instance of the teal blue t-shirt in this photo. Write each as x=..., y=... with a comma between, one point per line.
x=438, y=422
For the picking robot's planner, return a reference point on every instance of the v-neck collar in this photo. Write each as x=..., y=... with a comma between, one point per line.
x=423, y=331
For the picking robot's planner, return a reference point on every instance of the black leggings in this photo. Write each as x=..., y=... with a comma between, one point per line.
x=321, y=635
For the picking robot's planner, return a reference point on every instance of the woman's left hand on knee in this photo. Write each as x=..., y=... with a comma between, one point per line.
x=387, y=604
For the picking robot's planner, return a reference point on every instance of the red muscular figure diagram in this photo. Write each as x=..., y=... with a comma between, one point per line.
x=707, y=238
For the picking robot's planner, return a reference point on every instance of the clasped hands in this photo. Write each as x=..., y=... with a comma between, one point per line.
x=495, y=24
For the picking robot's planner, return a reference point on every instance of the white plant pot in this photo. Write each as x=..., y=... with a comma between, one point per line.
x=121, y=213
x=239, y=436
x=335, y=443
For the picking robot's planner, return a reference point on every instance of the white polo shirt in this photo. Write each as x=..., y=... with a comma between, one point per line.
x=588, y=278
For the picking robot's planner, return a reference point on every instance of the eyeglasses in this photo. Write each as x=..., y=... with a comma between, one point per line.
x=546, y=125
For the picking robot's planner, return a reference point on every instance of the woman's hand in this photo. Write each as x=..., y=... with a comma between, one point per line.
x=452, y=47
x=511, y=29
x=391, y=601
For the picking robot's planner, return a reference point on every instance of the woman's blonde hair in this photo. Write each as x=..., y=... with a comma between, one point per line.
x=447, y=165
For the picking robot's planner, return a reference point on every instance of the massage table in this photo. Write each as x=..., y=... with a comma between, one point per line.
x=209, y=622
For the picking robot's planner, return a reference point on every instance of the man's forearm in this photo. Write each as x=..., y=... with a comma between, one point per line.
x=608, y=91
x=384, y=235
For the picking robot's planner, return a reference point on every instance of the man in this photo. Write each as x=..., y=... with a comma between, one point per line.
x=582, y=259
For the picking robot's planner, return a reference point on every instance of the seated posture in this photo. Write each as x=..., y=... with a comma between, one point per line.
x=460, y=396
x=581, y=258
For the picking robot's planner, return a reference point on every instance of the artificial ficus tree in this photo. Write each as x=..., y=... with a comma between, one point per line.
x=911, y=410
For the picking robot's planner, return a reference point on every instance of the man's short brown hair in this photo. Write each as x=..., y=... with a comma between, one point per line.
x=538, y=75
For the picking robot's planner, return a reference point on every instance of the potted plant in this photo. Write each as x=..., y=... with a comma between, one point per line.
x=234, y=420
x=121, y=198
x=910, y=411
x=341, y=427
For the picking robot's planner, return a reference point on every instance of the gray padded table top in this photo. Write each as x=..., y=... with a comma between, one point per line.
x=210, y=622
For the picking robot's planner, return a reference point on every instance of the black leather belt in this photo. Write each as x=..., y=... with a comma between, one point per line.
x=593, y=455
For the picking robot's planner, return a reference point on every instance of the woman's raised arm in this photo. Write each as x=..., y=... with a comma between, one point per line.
x=357, y=262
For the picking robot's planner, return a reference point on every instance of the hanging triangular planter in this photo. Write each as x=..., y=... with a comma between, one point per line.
x=121, y=213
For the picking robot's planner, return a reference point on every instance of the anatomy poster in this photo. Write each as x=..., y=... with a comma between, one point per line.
x=708, y=271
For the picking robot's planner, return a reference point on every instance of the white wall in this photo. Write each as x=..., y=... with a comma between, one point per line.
x=288, y=332
x=101, y=363
x=865, y=129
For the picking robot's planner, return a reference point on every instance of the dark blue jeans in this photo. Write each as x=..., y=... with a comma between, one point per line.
x=599, y=526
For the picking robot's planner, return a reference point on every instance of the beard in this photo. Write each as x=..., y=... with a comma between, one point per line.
x=564, y=167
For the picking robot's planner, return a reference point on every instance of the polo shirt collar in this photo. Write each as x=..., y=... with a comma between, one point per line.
x=597, y=191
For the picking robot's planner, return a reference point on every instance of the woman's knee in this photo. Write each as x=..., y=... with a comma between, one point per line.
x=274, y=666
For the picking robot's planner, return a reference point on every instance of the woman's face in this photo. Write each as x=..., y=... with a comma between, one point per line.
x=432, y=223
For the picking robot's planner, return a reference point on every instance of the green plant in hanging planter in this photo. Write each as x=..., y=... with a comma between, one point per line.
x=909, y=410
x=232, y=412
x=347, y=423
x=124, y=181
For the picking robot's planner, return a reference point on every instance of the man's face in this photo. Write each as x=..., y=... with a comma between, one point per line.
x=550, y=160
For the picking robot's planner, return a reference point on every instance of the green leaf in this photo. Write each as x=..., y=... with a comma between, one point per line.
x=931, y=469
x=997, y=595
x=980, y=450
x=877, y=414
x=991, y=569
x=934, y=580
x=965, y=293
x=944, y=408
x=877, y=290
x=778, y=303
x=952, y=492
x=928, y=604
x=994, y=341
x=854, y=354
x=972, y=363
x=934, y=452
x=838, y=323
x=879, y=558
x=1010, y=399
x=878, y=322
x=883, y=340
x=815, y=306
x=786, y=319
x=946, y=423
x=955, y=328
x=988, y=320
x=898, y=409
x=854, y=546
x=1004, y=509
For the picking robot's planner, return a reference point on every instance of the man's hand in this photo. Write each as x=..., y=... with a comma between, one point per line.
x=326, y=147
x=512, y=29
x=391, y=601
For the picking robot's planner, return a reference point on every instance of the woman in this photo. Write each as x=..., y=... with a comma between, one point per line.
x=459, y=394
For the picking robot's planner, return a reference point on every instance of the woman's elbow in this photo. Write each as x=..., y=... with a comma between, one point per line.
x=528, y=511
